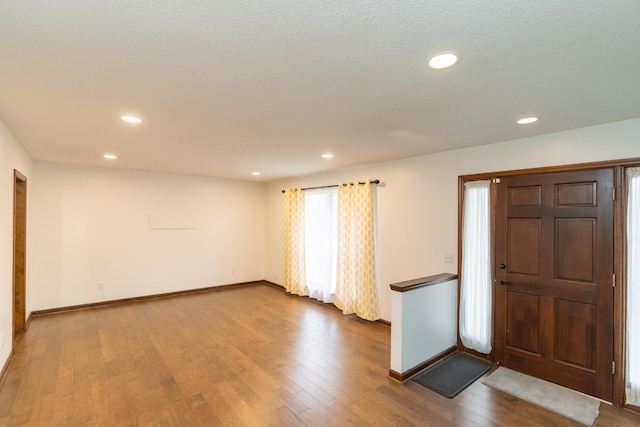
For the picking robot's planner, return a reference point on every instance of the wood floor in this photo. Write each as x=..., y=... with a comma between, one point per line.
x=240, y=357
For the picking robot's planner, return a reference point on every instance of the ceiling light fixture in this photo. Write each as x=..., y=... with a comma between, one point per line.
x=442, y=60
x=255, y=173
x=131, y=119
x=110, y=156
x=327, y=156
x=527, y=120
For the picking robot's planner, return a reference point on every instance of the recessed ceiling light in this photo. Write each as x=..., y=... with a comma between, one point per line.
x=442, y=60
x=110, y=156
x=255, y=173
x=327, y=156
x=131, y=119
x=527, y=120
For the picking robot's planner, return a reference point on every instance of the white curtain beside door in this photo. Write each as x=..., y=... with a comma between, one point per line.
x=633, y=288
x=475, y=285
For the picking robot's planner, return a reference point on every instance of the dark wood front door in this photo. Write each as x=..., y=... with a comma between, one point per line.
x=554, y=278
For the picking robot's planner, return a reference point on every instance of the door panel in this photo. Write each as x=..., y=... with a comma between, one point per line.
x=554, y=309
x=575, y=323
x=523, y=259
x=575, y=249
x=524, y=317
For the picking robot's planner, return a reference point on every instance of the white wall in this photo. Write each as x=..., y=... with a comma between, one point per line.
x=423, y=324
x=418, y=197
x=88, y=225
x=12, y=156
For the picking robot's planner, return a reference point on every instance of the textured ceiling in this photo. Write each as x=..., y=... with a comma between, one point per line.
x=230, y=87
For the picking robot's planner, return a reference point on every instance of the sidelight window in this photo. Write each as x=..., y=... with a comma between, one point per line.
x=475, y=285
x=633, y=288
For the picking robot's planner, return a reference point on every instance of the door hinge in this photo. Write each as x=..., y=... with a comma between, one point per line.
x=614, y=280
x=613, y=191
x=613, y=367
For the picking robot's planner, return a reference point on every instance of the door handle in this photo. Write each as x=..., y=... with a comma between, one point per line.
x=503, y=282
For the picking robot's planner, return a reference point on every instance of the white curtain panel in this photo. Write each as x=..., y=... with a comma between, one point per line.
x=475, y=285
x=321, y=247
x=633, y=288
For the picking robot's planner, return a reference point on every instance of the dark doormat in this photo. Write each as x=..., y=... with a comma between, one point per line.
x=452, y=375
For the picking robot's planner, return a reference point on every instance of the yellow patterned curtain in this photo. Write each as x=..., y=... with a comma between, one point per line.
x=294, y=265
x=356, y=284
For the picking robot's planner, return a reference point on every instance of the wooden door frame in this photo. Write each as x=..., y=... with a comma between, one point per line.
x=19, y=283
x=619, y=249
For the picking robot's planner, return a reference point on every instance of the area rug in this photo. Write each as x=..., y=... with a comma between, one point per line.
x=451, y=375
x=558, y=399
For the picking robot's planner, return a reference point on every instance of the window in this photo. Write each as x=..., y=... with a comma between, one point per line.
x=330, y=249
x=321, y=236
x=633, y=288
x=475, y=285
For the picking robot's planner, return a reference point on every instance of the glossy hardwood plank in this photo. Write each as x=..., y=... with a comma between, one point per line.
x=251, y=356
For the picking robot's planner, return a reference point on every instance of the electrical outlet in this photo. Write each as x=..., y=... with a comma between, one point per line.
x=233, y=271
x=101, y=286
x=1, y=340
x=448, y=258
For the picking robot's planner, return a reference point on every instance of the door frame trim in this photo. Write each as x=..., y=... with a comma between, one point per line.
x=619, y=250
x=21, y=292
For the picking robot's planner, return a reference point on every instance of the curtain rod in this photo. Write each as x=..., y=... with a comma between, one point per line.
x=373, y=181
